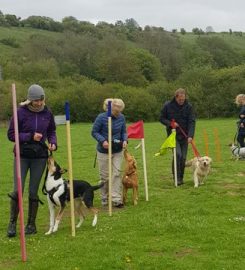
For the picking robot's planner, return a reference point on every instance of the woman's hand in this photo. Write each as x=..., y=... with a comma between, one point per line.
x=51, y=147
x=105, y=144
x=125, y=144
x=37, y=137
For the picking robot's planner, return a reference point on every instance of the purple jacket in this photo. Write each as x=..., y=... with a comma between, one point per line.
x=30, y=122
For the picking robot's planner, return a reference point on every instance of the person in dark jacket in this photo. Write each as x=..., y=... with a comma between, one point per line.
x=179, y=112
x=240, y=101
x=36, y=125
x=119, y=141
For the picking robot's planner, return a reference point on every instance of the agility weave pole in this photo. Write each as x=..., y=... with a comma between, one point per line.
x=18, y=173
x=109, y=159
x=145, y=172
x=205, y=135
x=68, y=137
x=136, y=131
x=175, y=163
x=217, y=144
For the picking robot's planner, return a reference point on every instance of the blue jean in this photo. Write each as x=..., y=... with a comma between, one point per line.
x=181, y=152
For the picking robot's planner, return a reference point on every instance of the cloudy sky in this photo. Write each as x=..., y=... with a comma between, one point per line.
x=222, y=15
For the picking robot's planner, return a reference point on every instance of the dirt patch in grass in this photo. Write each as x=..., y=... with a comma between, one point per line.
x=231, y=193
x=156, y=253
x=233, y=189
x=8, y=264
x=184, y=252
x=241, y=174
x=233, y=186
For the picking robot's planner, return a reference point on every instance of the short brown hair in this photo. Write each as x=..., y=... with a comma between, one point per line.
x=180, y=91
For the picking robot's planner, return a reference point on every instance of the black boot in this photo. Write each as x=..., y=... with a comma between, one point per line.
x=32, y=213
x=14, y=211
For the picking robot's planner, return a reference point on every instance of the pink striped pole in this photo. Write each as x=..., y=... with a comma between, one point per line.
x=18, y=173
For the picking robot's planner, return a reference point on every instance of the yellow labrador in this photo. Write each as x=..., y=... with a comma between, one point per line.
x=201, y=167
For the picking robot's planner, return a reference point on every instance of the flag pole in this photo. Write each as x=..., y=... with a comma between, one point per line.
x=68, y=137
x=145, y=172
x=18, y=174
x=109, y=159
x=175, y=164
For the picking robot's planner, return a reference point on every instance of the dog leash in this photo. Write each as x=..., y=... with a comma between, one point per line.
x=196, y=153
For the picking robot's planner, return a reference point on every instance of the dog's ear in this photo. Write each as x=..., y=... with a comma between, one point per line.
x=62, y=171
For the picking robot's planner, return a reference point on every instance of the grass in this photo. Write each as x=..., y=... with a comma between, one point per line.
x=179, y=228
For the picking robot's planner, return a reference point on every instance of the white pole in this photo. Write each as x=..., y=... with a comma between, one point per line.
x=145, y=172
x=175, y=164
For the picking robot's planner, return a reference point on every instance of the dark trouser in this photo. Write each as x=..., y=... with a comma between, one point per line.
x=181, y=152
x=36, y=168
x=240, y=138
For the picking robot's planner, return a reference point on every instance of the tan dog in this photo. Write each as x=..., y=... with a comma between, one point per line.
x=201, y=168
x=130, y=177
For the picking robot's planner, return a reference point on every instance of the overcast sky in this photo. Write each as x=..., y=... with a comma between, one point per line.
x=222, y=15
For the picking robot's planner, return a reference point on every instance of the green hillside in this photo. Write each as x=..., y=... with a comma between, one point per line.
x=142, y=66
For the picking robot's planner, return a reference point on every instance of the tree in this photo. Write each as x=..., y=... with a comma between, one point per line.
x=182, y=31
x=131, y=24
x=12, y=20
x=223, y=54
x=197, y=31
x=209, y=29
x=71, y=23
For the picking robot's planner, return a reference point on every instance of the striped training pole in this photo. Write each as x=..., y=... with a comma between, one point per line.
x=205, y=135
x=145, y=172
x=175, y=163
x=18, y=174
x=217, y=145
x=68, y=137
x=109, y=159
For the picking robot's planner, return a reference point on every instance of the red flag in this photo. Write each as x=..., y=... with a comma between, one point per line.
x=136, y=130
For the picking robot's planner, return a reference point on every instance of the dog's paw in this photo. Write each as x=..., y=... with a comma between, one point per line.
x=80, y=223
x=49, y=232
x=94, y=220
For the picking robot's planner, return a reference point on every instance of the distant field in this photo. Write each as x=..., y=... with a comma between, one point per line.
x=21, y=35
x=179, y=228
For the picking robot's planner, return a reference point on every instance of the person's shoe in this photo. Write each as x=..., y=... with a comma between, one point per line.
x=180, y=183
x=104, y=202
x=11, y=229
x=118, y=205
x=30, y=229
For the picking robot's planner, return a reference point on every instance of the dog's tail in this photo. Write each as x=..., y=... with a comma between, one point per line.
x=98, y=186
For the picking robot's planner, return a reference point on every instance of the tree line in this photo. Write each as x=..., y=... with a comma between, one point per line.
x=85, y=63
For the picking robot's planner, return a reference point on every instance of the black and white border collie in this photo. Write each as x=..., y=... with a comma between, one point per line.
x=57, y=191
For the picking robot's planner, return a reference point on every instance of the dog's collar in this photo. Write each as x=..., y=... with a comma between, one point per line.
x=235, y=148
x=133, y=172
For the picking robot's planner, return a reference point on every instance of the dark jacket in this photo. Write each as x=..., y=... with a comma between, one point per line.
x=30, y=122
x=182, y=114
x=100, y=132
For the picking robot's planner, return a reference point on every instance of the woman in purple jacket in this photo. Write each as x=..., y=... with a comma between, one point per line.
x=36, y=125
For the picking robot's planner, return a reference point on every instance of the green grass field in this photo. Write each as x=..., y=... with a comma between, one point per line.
x=178, y=228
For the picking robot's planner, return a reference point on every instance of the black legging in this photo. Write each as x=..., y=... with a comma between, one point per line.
x=36, y=167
